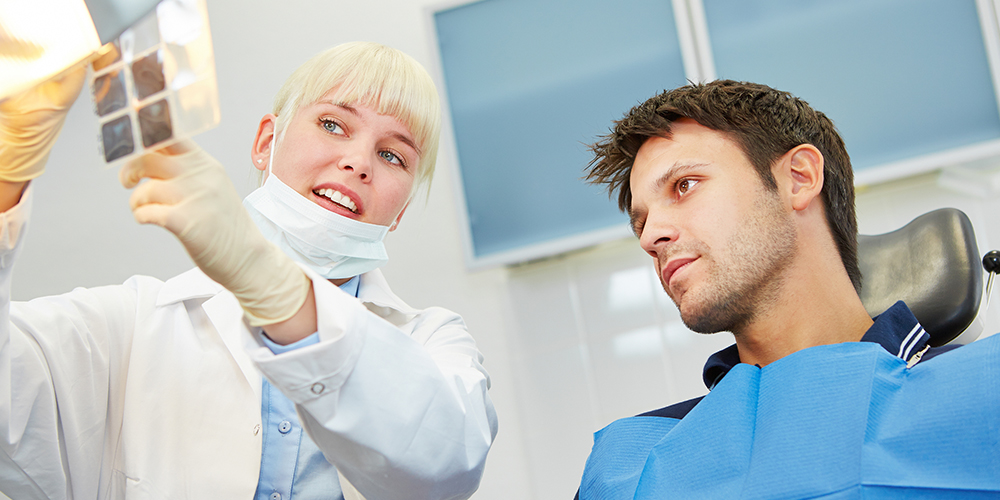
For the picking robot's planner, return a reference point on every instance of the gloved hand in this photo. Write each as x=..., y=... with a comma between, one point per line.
x=30, y=123
x=189, y=193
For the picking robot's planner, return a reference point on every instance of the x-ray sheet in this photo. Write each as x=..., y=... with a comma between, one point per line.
x=156, y=83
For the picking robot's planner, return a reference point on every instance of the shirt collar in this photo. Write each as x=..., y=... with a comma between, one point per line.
x=350, y=287
x=896, y=330
x=375, y=294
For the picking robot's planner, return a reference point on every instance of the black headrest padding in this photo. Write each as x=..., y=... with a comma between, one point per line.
x=933, y=265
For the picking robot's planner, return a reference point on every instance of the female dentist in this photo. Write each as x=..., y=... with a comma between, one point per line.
x=154, y=389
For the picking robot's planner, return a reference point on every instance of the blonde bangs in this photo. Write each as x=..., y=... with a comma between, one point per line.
x=382, y=78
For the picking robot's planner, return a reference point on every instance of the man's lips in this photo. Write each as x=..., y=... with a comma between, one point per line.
x=673, y=266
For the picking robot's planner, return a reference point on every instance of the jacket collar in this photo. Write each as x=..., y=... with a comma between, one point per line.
x=373, y=291
x=896, y=330
x=375, y=294
x=222, y=311
x=191, y=284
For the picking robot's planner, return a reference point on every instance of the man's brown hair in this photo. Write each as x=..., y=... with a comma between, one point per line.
x=765, y=123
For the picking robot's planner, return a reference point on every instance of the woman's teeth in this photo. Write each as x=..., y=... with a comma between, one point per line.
x=338, y=198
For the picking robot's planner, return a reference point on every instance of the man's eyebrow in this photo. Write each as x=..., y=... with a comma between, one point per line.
x=678, y=169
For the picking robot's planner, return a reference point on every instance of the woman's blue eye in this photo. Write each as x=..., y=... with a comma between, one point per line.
x=391, y=157
x=331, y=126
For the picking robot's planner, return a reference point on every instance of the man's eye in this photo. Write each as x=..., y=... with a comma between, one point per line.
x=684, y=185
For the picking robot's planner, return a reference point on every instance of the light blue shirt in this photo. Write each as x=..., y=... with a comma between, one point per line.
x=290, y=463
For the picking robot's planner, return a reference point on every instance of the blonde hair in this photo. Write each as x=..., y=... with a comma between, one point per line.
x=385, y=79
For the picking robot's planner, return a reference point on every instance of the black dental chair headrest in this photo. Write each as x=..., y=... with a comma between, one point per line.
x=933, y=265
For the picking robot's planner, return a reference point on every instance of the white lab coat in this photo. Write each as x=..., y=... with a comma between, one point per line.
x=151, y=390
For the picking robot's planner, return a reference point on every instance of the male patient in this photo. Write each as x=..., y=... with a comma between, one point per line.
x=744, y=197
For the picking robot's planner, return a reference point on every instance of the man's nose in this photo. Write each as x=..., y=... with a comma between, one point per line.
x=658, y=232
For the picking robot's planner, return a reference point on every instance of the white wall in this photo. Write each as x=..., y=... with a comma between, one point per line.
x=565, y=357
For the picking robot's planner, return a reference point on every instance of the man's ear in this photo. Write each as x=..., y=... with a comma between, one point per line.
x=804, y=168
x=260, y=153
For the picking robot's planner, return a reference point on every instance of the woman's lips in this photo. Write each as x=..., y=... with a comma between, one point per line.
x=339, y=199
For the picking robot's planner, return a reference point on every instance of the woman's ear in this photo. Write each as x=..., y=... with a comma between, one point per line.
x=395, y=223
x=805, y=174
x=260, y=153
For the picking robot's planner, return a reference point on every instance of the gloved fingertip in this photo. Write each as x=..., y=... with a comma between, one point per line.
x=150, y=214
x=127, y=175
x=180, y=147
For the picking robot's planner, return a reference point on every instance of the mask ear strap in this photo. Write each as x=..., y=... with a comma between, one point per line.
x=270, y=156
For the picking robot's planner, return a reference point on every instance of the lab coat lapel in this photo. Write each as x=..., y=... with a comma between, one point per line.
x=226, y=316
x=376, y=296
x=222, y=310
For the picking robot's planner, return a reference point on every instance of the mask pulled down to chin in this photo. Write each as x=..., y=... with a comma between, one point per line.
x=330, y=244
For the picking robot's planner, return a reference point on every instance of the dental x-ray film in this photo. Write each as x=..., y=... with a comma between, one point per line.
x=156, y=83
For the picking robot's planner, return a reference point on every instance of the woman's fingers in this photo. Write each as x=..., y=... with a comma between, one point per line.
x=155, y=165
x=180, y=147
x=158, y=201
x=154, y=191
x=153, y=214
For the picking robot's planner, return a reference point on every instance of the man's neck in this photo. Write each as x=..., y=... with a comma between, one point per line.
x=813, y=307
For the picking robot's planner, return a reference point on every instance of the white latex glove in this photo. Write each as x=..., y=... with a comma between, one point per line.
x=30, y=123
x=189, y=194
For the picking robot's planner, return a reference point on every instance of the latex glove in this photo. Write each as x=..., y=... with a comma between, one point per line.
x=189, y=194
x=30, y=123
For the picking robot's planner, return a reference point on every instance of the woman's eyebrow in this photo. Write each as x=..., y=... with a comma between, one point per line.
x=406, y=140
x=351, y=109
x=341, y=105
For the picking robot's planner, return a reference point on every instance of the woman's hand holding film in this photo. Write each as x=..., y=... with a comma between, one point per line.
x=188, y=193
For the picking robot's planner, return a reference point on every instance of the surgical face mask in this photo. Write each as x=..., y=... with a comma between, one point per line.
x=330, y=244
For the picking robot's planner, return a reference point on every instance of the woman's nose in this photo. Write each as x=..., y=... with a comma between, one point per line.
x=358, y=164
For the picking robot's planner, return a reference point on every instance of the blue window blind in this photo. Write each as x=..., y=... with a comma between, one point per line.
x=899, y=78
x=530, y=83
